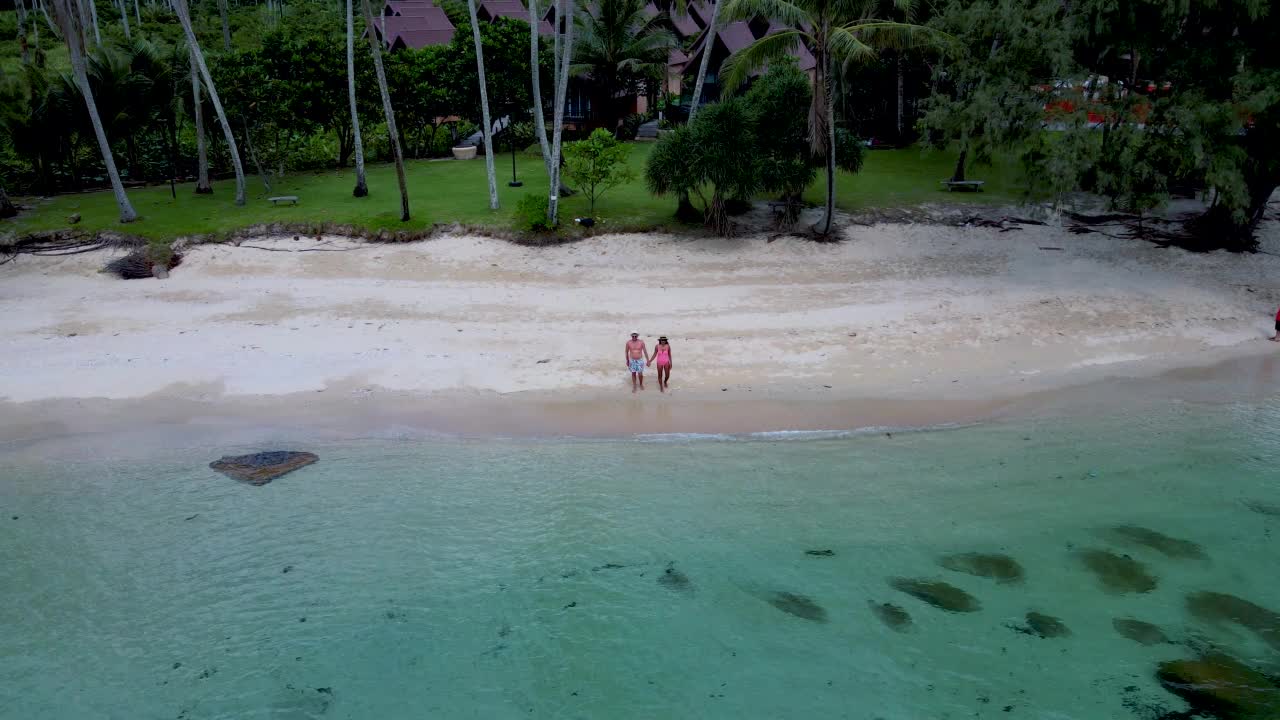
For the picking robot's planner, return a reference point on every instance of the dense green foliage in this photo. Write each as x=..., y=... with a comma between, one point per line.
x=284, y=87
x=620, y=50
x=712, y=158
x=1143, y=97
x=1132, y=100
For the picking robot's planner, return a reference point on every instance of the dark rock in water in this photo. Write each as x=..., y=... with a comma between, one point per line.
x=892, y=615
x=1000, y=568
x=1170, y=546
x=1215, y=607
x=820, y=553
x=1118, y=574
x=938, y=594
x=1046, y=626
x=607, y=566
x=1143, y=633
x=261, y=468
x=1217, y=685
x=798, y=605
x=674, y=579
x=1263, y=508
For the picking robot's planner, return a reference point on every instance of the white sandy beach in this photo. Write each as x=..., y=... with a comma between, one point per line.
x=910, y=312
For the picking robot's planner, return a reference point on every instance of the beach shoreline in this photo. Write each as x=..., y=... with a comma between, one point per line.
x=897, y=326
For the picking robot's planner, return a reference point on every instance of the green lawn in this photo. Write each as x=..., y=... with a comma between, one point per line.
x=910, y=177
x=451, y=191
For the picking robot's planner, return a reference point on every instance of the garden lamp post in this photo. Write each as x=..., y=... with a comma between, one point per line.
x=514, y=182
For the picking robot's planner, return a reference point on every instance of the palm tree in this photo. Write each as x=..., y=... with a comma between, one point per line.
x=69, y=19
x=487, y=130
x=562, y=90
x=184, y=17
x=202, y=154
x=620, y=47
x=124, y=18
x=707, y=46
x=93, y=15
x=539, y=123
x=375, y=46
x=73, y=30
x=361, y=188
x=833, y=31
x=226, y=25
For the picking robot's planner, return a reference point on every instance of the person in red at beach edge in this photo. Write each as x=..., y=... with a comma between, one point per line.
x=1276, y=338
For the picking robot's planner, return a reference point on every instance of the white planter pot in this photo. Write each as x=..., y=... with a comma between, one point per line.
x=464, y=153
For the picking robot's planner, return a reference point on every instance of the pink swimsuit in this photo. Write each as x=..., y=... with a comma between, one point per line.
x=664, y=357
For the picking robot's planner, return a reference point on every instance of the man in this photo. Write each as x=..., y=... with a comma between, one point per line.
x=636, y=354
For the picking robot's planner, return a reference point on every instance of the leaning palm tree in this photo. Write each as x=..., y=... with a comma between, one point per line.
x=619, y=47
x=539, y=123
x=487, y=130
x=361, y=188
x=833, y=31
x=375, y=46
x=184, y=17
x=708, y=44
x=70, y=21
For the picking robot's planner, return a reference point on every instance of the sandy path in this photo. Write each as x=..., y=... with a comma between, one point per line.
x=896, y=309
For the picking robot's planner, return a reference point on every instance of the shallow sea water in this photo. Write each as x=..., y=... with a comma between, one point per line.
x=452, y=578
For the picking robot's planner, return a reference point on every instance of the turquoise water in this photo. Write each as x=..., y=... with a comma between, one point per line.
x=451, y=578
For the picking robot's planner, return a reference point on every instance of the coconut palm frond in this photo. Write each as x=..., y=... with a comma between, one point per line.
x=783, y=11
x=739, y=66
x=884, y=34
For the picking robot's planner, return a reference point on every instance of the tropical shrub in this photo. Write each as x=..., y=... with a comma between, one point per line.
x=531, y=213
x=597, y=164
x=712, y=158
x=781, y=131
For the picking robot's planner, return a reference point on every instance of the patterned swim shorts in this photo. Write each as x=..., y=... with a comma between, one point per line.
x=637, y=365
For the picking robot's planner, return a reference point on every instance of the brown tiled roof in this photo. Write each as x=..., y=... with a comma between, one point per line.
x=491, y=9
x=415, y=31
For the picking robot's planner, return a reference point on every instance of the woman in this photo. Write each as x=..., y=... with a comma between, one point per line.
x=662, y=355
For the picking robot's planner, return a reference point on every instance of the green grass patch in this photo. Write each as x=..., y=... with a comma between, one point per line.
x=449, y=191
x=911, y=176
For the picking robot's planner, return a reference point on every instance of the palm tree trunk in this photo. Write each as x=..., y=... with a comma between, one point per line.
x=93, y=14
x=901, y=97
x=393, y=134
x=137, y=14
x=6, y=206
x=830, y=112
x=184, y=17
x=75, y=45
x=226, y=25
x=22, y=32
x=707, y=46
x=124, y=18
x=82, y=9
x=562, y=90
x=487, y=130
x=48, y=20
x=361, y=188
x=539, y=122
x=202, y=154
x=253, y=154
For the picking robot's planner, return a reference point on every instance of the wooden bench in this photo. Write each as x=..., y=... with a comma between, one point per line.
x=969, y=185
x=291, y=199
